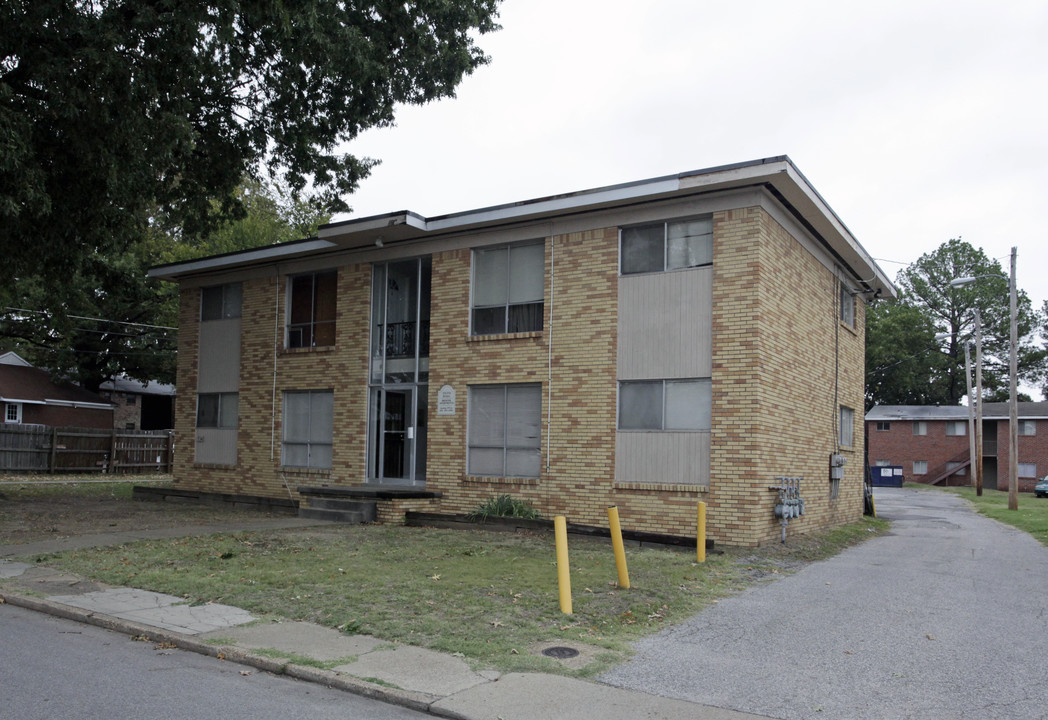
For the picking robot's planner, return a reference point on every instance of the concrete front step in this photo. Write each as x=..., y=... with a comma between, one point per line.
x=353, y=517
x=328, y=503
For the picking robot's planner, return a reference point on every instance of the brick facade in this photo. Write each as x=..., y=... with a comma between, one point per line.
x=899, y=445
x=782, y=366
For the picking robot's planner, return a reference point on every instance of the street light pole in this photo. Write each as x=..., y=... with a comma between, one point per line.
x=971, y=410
x=978, y=405
x=1013, y=403
x=1013, y=382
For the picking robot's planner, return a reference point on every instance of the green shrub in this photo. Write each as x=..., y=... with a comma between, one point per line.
x=505, y=506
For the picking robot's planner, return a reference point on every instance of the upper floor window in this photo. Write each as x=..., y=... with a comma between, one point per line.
x=884, y=426
x=665, y=404
x=509, y=284
x=956, y=427
x=220, y=302
x=920, y=427
x=847, y=306
x=311, y=309
x=666, y=246
x=1027, y=427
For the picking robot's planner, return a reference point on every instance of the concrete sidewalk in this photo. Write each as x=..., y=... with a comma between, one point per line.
x=413, y=677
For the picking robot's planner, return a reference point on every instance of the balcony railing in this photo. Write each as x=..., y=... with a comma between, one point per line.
x=401, y=337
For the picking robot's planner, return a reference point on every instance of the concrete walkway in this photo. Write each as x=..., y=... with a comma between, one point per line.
x=414, y=677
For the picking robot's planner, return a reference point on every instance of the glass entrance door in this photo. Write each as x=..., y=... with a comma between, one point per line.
x=399, y=372
x=394, y=433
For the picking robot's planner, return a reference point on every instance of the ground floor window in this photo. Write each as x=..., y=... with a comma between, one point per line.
x=665, y=404
x=217, y=410
x=505, y=430
x=308, y=428
x=847, y=437
x=920, y=467
x=1027, y=470
x=13, y=413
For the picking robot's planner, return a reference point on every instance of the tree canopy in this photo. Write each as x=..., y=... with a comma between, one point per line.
x=907, y=364
x=111, y=110
x=128, y=128
x=106, y=317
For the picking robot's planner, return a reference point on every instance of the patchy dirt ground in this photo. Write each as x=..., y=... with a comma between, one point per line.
x=34, y=509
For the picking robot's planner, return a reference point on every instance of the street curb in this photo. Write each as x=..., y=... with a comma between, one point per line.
x=413, y=700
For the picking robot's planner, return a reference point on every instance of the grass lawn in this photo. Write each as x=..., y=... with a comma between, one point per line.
x=1031, y=517
x=489, y=596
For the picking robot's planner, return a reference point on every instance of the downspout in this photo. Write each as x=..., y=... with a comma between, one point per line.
x=276, y=346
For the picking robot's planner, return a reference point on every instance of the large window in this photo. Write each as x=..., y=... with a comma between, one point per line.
x=508, y=289
x=217, y=410
x=1027, y=470
x=308, y=428
x=666, y=246
x=665, y=404
x=220, y=302
x=505, y=430
x=311, y=310
x=847, y=426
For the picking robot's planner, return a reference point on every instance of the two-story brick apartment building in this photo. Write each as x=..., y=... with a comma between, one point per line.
x=645, y=345
x=932, y=443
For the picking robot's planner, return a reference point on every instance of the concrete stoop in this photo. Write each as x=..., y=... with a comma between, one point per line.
x=354, y=504
x=338, y=510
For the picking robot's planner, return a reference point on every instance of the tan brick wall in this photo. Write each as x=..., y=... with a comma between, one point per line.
x=775, y=350
x=341, y=368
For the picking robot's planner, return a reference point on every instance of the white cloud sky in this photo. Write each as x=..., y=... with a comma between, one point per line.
x=916, y=120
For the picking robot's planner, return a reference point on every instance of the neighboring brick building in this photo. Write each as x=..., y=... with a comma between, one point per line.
x=646, y=345
x=931, y=443
x=29, y=396
x=140, y=406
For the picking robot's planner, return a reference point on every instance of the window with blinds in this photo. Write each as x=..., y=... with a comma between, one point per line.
x=505, y=430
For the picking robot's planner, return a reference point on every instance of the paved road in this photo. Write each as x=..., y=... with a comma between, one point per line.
x=55, y=668
x=943, y=618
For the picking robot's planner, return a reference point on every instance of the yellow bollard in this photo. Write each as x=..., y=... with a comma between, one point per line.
x=560, y=529
x=700, y=536
x=616, y=544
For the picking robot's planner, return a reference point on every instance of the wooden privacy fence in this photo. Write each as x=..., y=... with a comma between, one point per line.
x=42, y=449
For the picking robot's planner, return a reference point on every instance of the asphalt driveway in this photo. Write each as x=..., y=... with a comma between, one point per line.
x=945, y=617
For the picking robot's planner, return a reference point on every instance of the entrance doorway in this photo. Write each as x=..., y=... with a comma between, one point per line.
x=399, y=373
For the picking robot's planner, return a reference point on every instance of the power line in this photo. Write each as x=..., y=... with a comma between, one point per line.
x=92, y=319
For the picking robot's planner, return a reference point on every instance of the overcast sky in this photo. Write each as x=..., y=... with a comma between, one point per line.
x=916, y=120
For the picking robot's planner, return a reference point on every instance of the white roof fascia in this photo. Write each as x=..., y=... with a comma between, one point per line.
x=23, y=402
x=778, y=173
x=557, y=204
x=218, y=262
x=78, y=404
